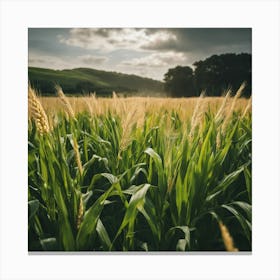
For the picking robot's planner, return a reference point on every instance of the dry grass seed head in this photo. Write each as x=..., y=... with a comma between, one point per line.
x=80, y=213
x=197, y=113
x=233, y=103
x=227, y=239
x=115, y=106
x=37, y=112
x=248, y=107
x=77, y=155
x=221, y=110
x=94, y=103
x=65, y=101
x=88, y=103
x=127, y=124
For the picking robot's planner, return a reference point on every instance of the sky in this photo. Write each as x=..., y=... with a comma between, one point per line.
x=147, y=52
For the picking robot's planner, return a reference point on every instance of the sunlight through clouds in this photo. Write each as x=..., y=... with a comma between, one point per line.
x=157, y=59
x=149, y=52
x=109, y=39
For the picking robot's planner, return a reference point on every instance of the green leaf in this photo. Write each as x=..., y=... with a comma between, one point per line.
x=155, y=156
x=33, y=207
x=65, y=229
x=89, y=164
x=103, y=235
x=110, y=177
x=148, y=211
x=245, y=224
x=49, y=244
x=160, y=171
x=89, y=223
x=246, y=207
x=136, y=202
x=184, y=243
x=248, y=179
x=227, y=181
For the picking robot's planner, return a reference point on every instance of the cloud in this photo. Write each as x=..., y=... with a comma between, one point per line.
x=164, y=59
x=194, y=43
x=58, y=62
x=109, y=39
x=203, y=40
x=36, y=60
x=49, y=61
x=145, y=51
x=160, y=40
x=105, y=39
x=91, y=59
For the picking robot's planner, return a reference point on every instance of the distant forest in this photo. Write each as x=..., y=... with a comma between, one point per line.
x=215, y=74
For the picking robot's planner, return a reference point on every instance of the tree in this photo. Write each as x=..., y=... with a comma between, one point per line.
x=218, y=72
x=179, y=81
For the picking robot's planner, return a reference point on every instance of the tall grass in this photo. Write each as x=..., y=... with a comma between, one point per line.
x=180, y=179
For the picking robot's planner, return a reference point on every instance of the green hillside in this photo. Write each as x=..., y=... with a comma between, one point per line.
x=85, y=80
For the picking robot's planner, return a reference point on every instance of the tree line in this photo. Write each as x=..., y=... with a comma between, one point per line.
x=215, y=74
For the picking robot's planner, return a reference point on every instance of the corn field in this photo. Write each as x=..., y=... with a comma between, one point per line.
x=136, y=176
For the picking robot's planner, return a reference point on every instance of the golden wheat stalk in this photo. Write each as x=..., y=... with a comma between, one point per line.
x=218, y=140
x=248, y=107
x=114, y=95
x=37, y=112
x=196, y=109
x=227, y=239
x=86, y=101
x=127, y=124
x=221, y=110
x=230, y=111
x=94, y=102
x=65, y=101
x=237, y=95
x=77, y=156
x=197, y=113
x=116, y=102
x=80, y=213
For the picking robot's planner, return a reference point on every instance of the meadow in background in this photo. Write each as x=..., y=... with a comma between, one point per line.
x=139, y=173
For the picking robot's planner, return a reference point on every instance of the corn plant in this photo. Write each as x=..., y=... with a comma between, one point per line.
x=175, y=185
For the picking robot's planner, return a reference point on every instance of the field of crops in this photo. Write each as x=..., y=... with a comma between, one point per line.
x=139, y=174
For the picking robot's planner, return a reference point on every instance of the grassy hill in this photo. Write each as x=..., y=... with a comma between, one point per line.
x=85, y=80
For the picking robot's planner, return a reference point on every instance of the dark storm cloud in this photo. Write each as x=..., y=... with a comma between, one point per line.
x=199, y=40
x=102, y=32
x=193, y=41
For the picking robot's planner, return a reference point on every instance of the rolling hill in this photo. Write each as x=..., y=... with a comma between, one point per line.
x=84, y=80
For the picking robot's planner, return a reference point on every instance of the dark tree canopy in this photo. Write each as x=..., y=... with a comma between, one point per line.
x=215, y=74
x=219, y=72
x=179, y=81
